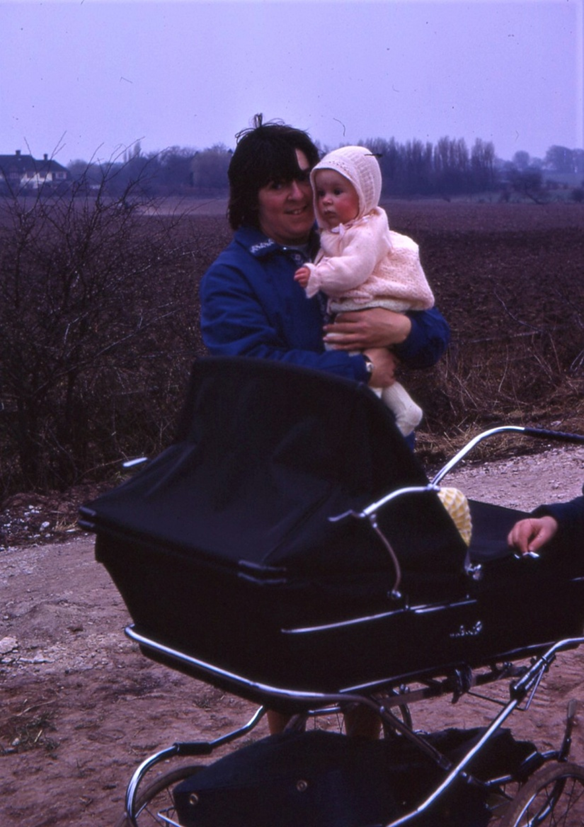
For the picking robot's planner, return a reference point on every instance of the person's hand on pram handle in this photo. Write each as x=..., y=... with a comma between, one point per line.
x=529, y=535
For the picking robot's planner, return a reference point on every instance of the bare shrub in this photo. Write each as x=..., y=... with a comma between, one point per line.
x=98, y=321
x=521, y=380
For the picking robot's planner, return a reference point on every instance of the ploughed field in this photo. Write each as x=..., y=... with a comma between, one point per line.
x=510, y=280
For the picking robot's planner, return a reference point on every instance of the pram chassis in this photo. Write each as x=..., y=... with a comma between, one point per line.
x=525, y=681
x=458, y=672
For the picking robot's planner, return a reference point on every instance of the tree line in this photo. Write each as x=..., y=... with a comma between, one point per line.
x=172, y=171
x=413, y=168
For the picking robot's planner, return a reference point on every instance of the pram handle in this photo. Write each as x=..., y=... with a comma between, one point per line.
x=370, y=514
x=539, y=433
x=561, y=436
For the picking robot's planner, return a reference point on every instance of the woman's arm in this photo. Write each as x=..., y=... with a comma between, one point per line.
x=418, y=338
x=240, y=318
x=566, y=520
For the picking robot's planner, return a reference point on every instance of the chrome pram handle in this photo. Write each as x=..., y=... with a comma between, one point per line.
x=370, y=514
x=538, y=433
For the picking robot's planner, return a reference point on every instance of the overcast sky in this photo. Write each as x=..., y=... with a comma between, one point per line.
x=87, y=78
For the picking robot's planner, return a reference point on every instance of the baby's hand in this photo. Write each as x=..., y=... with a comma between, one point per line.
x=301, y=276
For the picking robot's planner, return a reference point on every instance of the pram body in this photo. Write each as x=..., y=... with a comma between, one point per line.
x=226, y=555
x=289, y=548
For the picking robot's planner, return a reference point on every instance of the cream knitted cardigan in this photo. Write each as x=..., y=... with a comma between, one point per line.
x=365, y=264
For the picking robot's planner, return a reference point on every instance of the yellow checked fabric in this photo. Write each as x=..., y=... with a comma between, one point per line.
x=457, y=506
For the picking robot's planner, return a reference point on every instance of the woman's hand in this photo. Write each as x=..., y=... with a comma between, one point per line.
x=384, y=367
x=532, y=533
x=362, y=329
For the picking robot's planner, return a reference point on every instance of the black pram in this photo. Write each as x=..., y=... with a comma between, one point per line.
x=288, y=547
x=225, y=547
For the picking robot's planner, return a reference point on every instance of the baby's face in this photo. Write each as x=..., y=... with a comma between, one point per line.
x=336, y=197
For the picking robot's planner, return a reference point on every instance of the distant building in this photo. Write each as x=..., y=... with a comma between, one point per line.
x=23, y=172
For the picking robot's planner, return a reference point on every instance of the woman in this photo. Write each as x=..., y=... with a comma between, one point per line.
x=250, y=303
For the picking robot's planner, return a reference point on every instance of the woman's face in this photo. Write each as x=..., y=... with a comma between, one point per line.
x=286, y=213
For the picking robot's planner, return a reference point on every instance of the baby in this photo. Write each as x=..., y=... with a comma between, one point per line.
x=361, y=262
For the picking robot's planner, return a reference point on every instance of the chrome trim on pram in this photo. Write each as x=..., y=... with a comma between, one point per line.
x=526, y=685
x=505, y=657
x=372, y=509
x=436, y=607
x=348, y=694
x=192, y=749
x=370, y=514
x=341, y=624
x=217, y=672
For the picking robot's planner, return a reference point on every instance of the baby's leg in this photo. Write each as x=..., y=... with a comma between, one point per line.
x=407, y=414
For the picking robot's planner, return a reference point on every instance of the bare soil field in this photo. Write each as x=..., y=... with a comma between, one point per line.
x=510, y=284
x=509, y=280
x=80, y=707
x=458, y=214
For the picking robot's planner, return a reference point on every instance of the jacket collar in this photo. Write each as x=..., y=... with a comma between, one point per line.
x=260, y=246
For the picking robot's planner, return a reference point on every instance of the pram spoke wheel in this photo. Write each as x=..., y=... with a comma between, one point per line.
x=155, y=805
x=554, y=795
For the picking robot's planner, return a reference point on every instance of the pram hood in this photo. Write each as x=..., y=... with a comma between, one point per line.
x=264, y=454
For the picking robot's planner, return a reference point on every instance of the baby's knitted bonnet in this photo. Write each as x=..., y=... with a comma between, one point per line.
x=361, y=168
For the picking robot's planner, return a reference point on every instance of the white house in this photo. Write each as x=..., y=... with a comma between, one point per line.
x=18, y=172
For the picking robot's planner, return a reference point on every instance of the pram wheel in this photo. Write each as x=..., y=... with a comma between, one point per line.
x=155, y=805
x=553, y=795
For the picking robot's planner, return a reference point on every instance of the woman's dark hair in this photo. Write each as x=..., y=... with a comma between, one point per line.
x=264, y=153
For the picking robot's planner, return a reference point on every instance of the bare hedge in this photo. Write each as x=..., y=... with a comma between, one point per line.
x=98, y=329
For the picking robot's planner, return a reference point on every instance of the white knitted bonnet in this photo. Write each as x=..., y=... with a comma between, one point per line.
x=361, y=168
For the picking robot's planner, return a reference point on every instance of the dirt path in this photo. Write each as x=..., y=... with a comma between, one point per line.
x=80, y=707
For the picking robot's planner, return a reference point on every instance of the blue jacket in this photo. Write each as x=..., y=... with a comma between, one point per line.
x=569, y=516
x=251, y=306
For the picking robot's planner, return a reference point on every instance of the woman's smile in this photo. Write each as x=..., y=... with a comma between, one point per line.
x=286, y=214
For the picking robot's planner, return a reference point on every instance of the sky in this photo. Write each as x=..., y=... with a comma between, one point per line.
x=87, y=79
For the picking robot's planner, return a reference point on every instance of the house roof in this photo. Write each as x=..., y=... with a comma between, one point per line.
x=19, y=163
